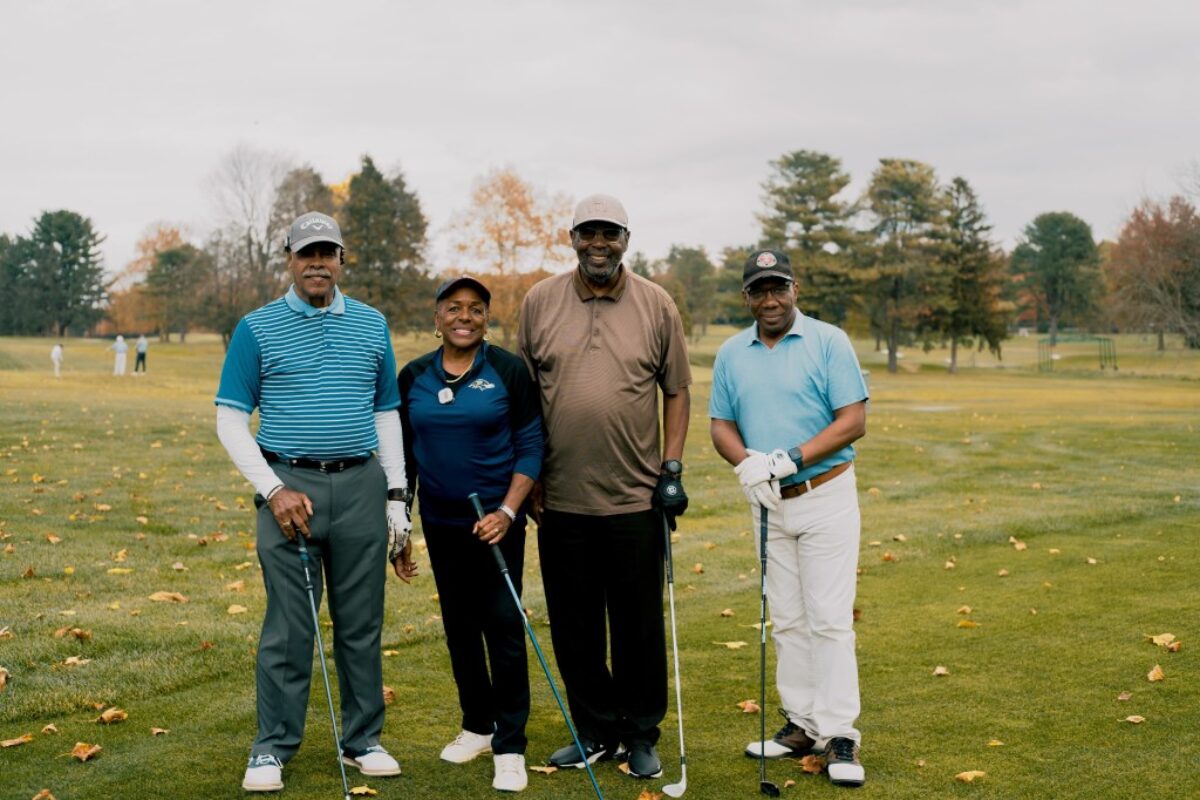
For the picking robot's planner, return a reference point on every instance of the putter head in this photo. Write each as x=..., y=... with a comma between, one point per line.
x=768, y=788
x=675, y=789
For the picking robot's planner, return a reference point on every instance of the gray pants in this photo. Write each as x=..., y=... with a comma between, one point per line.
x=349, y=547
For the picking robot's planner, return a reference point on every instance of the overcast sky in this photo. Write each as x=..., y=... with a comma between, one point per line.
x=120, y=110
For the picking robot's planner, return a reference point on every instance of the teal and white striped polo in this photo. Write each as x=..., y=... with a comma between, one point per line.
x=317, y=376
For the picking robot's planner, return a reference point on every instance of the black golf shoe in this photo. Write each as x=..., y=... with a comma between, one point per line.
x=841, y=761
x=643, y=761
x=569, y=756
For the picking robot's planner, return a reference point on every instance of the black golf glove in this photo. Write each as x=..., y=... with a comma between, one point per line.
x=669, y=496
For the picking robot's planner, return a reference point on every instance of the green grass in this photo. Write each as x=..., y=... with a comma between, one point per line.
x=1084, y=464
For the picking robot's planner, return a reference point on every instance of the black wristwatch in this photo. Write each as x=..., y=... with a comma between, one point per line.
x=400, y=495
x=797, y=457
x=673, y=467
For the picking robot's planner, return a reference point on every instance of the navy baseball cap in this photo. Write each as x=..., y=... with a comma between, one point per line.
x=463, y=280
x=766, y=264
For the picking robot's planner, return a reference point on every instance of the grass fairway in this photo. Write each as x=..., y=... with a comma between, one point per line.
x=113, y=489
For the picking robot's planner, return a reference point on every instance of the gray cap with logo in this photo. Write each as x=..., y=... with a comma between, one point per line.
x=311, y=228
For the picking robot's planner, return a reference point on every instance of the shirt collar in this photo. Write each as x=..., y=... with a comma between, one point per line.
x=586, y=292
x=338, y=306
x=797, y=329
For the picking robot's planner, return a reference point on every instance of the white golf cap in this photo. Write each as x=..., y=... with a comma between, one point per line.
x=600, y=208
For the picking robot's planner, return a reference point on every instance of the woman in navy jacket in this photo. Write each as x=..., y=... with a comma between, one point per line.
x=472, y=423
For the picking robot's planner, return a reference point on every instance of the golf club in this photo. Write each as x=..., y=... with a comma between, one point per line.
x=675, y=789
x=503, y=565
x=312, y=604
x=764, y=785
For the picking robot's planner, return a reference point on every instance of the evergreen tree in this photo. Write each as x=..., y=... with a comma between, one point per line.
x=975, y=310
x=1057, y=263
x=903, y=276
x=385, y=234
x=696, y=276
x=171, y=282
x=805, y=218
x=65, y=273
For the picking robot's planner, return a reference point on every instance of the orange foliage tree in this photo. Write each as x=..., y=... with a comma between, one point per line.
x=512, y=235
x=131, y=309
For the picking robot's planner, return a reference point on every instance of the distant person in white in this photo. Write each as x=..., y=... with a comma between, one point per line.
x=56, y=358
x=120, y=348
x=139, y=364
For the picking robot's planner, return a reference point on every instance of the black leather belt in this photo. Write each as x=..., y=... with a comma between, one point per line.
x=333, y=465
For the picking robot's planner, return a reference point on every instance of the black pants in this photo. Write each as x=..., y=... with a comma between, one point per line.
x=608, y=569
x=477, y=609
x=140, y=363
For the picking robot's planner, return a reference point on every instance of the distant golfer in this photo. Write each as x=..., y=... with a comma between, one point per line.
x=601, y=342
x=139, y=363
x=56, y=358
x=473, y=423
x=320, y=369
x=120, y=349
x=788, y=398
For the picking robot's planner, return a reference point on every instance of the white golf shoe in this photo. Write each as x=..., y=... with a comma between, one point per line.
x=842, y=764
x=466, y=747
x=264, y=773
x=374, y=762
x=510, y=772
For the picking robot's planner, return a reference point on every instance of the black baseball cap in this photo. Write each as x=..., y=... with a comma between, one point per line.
x=463, y=280
x=766, y=264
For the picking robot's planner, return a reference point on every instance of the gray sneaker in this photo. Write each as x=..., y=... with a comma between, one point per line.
x=643, y=761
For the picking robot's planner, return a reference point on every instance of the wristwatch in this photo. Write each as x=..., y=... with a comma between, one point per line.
x=797, y=457
x=673, y=467
x=400, y=495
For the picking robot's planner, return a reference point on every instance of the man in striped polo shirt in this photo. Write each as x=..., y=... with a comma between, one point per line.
x=320, y=369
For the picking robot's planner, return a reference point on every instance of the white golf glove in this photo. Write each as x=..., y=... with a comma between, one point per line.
x=759, y=467
x=765, y=494
x=399, y=528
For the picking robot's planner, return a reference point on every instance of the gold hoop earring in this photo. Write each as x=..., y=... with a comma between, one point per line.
x=487, y=336
x=437, y=334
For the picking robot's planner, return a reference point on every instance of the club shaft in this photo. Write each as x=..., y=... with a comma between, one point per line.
x=512, y=590
x=762, y=646
x=312, y=604
x=675, y=646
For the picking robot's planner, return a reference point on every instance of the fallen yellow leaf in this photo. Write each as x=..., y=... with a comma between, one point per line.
x=48, y=729
x=969, y=776
x=1155, y=674
x=813, y=764
x=159, y=731
x=389, y=653
x=236, y=609
x=899, y=537
x=728, y=612
x=1092, y=561
x=389, y=695
x=76, y=661
x=121, y=571
x=964, y=610
x=112, y=715
x=731, y=645
x=698, y=568
x=235, y=586
x=1162, y=639
x=44, y=794
x=995, y=743
x=748, y=707
x=543, y=770
x=649, y=795
x=24, y=738
x=1123, y=696
x=968, y=623
x=1136, y=719
x=83, y=751
x=52, y=539
x=363, y=791
x=168, y=597
x=1002, y=573
x=940, y=672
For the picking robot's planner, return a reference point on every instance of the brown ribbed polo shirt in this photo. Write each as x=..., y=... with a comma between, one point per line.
x=599, y=362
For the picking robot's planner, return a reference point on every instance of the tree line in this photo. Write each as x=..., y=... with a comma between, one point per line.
x=910, y=261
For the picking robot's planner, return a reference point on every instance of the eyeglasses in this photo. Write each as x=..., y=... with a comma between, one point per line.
x=781, y=292
x=588, y=232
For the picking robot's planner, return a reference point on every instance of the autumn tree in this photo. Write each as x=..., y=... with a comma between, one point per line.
x=1056, y=263
x=385, y=234
x=1153, y=270
x=806, y=215
x=510, y=230
x=172, y=283
x=903, y=277
x=975, y=310
x=130, y=306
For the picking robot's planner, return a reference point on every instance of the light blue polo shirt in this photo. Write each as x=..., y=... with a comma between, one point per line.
x=781, y=397
x=317, y=376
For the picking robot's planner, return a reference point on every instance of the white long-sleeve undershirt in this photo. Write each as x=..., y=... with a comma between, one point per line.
x=233, y=429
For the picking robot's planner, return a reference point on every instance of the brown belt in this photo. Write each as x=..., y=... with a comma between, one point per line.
x=797, y=489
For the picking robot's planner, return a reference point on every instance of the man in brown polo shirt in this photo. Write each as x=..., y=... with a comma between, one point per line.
x=601, y=342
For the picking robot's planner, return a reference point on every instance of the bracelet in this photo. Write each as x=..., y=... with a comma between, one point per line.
x=274, y=492
x=508, y=512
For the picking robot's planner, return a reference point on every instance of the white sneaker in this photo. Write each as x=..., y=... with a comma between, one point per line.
x=374, y=762
x=466, y=746
x=510, y=772
x=264, y=773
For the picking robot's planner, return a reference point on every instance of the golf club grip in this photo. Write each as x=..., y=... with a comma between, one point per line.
x=667, y=549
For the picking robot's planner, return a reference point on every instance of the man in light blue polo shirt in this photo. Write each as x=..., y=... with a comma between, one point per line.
x=788, y=400
x=328, y=464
